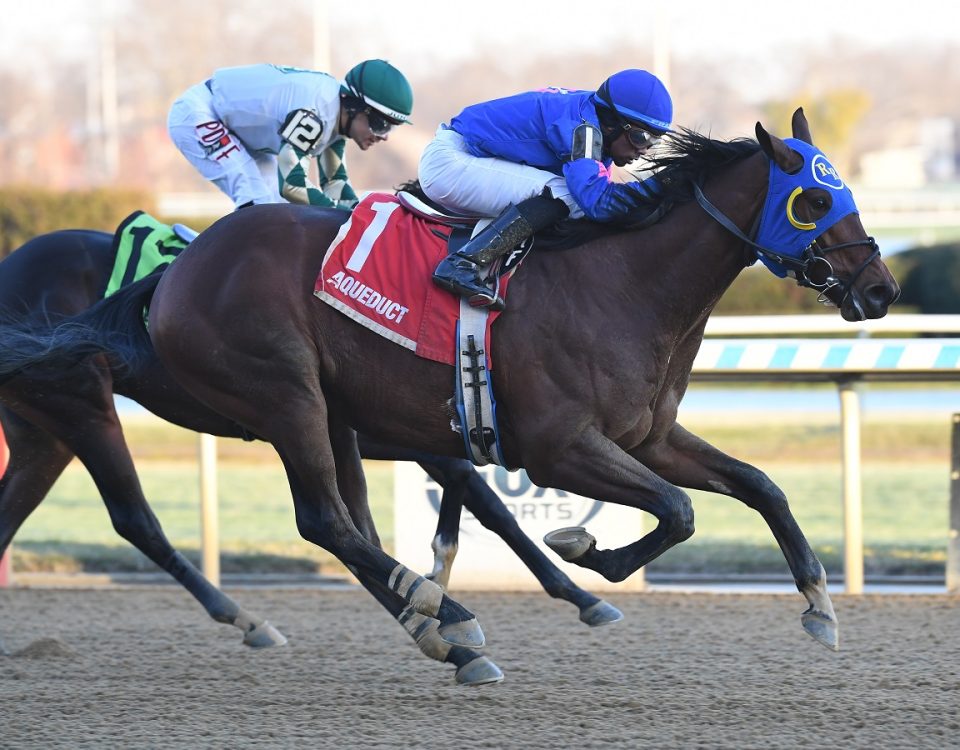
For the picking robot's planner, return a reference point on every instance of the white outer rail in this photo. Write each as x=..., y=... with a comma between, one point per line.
x=789, y=325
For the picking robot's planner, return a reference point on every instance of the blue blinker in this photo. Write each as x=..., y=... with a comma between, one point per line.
x=780, y=229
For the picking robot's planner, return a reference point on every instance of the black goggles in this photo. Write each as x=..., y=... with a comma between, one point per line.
x=639, y=137
x=380, y=125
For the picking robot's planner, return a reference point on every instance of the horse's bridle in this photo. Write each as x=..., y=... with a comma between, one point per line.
x=800, y=267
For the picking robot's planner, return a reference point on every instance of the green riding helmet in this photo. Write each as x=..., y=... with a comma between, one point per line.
x=382, y=87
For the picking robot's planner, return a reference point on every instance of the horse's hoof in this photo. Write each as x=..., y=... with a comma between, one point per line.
x=601, y=613
x=822, y=628
x=571, y=542
x=466, y=633
x=480, y=671
x=264, y=635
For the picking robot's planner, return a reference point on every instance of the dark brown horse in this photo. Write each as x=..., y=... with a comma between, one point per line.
x=593, y=356
x=48, y=421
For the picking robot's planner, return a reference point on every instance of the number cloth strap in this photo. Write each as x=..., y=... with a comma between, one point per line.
x=141, y=246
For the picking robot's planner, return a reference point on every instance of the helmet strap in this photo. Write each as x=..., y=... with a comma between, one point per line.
x=353, y=107
x=610, y=126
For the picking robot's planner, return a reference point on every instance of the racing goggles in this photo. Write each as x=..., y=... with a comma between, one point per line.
x=639, y=137
x=380, y=125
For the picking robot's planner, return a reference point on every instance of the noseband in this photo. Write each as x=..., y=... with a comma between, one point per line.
x=800, y=268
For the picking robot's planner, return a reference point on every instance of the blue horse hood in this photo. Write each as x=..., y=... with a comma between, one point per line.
x=779, y=228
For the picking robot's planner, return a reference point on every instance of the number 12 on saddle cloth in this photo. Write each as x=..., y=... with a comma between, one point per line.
x=377, y=272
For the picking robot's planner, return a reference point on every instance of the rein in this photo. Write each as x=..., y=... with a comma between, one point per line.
x=800, y=267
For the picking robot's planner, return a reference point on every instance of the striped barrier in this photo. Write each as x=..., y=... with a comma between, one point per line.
x=828, y=359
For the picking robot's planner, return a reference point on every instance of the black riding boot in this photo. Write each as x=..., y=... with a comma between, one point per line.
x=460, y=272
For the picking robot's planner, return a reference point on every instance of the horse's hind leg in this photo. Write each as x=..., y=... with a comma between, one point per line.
x=473, y=668
x=490, y=511
x=99, y=444
x=297, y=427
x=689, y=461
x=463, y=486
x=36, y=461
x=474, y=494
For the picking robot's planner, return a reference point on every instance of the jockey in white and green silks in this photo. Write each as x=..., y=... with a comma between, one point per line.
x=252, y=130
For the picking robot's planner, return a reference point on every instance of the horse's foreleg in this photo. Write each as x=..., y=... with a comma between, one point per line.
x=594, y=466
x=104, y=452
x=490, y=511
x=464, y=487
x=689, y=461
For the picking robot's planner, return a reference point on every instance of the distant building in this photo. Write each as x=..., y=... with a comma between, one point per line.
x=927, y=155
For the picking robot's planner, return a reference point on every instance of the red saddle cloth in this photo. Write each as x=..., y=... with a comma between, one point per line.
x=377, y=271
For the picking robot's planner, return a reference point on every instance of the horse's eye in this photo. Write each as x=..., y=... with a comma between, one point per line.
x=819, y=202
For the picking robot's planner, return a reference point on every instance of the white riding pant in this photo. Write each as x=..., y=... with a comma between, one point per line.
x=482, y=186
x=197, y=130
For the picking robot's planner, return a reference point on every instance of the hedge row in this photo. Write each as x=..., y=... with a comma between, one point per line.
x=929, y=278
x=27, y=212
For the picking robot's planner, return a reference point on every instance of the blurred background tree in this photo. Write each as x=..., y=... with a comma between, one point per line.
x=835, y=117
x=929, y=279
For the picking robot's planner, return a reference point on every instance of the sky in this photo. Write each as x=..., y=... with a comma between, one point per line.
x=431, y=32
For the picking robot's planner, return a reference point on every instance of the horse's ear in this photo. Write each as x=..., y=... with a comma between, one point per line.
x=779, y=152
x=801, y=130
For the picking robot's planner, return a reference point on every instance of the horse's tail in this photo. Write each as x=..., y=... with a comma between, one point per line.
x=114, y=326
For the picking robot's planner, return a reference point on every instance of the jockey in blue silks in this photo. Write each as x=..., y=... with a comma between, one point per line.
x=535, y=158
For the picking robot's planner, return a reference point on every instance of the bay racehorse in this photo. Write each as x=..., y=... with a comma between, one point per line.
x=49, y=420
x=593, y=356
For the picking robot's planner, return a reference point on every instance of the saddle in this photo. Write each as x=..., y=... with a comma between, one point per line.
x=461, y=228
x=425, y=208
x=141, y=245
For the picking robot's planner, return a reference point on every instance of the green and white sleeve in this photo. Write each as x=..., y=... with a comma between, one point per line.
x=333, y=175
x=295, y=184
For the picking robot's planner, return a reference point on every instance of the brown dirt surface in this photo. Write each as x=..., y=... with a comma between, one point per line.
x=145, y=668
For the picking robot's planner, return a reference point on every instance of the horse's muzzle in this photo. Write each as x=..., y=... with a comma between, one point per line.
x=872, y=302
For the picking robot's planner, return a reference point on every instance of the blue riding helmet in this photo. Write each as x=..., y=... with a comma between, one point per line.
x=637, y=96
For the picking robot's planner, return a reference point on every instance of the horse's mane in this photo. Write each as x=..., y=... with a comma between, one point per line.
x=686, y=158
x=683, y=159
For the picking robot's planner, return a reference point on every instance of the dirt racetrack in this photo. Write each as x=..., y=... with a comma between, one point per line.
x=144, y=668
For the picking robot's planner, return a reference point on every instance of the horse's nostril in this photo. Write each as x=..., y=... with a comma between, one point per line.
x=881, y=295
